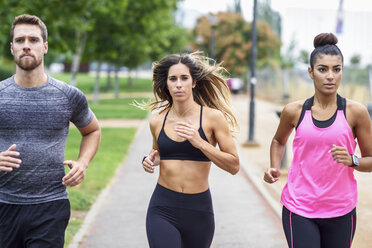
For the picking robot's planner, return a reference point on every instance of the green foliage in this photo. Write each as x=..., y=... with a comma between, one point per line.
x=72, y=229
x=121, y=32
x=119, y=108
x=113, y=148
x=288, y=60
x=6, y=69
x=355, y=60
x=85, y=83
x=65, y=19
x=304, y=57
x=267, y=14
x=236, y=7
x=6, y=19
x=355, y=75
x=5, y=73
x=146, y=31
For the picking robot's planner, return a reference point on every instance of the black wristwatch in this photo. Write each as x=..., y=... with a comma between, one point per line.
x=355, y=160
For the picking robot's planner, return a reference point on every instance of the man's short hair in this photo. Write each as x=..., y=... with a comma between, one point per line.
x=29, y=19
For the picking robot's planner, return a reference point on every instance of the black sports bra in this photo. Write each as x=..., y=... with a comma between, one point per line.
x=184, y=150
x=341, y=105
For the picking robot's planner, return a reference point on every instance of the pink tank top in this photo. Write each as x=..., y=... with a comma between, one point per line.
x=318, y=186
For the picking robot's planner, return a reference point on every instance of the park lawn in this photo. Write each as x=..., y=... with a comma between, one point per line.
x=119, y=108
x=114, y=146
x=85, y=83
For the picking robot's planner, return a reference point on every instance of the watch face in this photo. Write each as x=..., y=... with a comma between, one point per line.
x=355, y=160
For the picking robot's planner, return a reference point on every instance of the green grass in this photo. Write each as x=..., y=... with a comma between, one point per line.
x=72, y=229
x=112, y=151
x=118, y=108
x=85, y=83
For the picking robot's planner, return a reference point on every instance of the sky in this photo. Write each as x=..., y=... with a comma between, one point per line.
x=303, y=19
x=206, y=6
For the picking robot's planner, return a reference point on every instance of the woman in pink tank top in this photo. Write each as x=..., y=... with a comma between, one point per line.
x=320, y=196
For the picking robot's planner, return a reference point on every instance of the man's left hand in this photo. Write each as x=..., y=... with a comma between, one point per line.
x=76, y=174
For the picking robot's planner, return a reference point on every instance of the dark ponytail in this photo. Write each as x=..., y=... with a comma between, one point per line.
x=325, y=43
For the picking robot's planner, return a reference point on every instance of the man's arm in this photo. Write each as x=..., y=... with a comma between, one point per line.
x=91, y=136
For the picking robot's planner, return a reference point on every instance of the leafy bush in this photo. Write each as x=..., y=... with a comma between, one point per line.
x=5, y=72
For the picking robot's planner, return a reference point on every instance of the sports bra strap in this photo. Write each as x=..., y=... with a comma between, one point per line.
x=165, y=118
x=201, y=116
x=308, y=103
x=307, y=106
x=341, y=105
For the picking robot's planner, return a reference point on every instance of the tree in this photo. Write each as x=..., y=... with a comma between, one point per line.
x=288, y=60
x=355, y=60
x=236, y=7
x=304, y=57
x=147, y=31
x=103, y=39
x=233, y=41
x=134, y=33
x=267, y=14
x=121, y=32
x=68, y=22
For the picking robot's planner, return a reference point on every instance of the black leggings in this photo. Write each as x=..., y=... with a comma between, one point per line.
x=178, y=220
x=304, y=232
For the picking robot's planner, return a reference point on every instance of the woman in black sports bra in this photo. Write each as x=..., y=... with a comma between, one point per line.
x=195, y=116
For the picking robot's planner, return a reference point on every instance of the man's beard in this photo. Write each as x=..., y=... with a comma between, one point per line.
x=27, y=64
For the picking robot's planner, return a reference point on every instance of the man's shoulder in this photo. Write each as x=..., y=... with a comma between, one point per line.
x=64, y=87
x=6, y=82
x=58, y=83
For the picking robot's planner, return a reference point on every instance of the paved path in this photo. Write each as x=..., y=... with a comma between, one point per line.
x=243, y=218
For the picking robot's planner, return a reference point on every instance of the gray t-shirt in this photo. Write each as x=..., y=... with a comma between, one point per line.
x=37, y=120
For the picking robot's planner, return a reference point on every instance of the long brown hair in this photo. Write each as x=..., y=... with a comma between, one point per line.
x=211, y=89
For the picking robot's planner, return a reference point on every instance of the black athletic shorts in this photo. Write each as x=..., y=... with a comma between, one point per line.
x=34, y=226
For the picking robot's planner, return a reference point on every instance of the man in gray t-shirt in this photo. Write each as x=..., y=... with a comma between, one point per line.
x=35, y=112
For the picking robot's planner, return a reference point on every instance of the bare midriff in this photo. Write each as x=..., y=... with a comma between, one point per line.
x=183, y=176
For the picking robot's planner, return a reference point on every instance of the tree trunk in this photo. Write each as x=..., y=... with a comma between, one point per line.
x=81, y=38
x=108, y=81
x=116, y=86
x=136, y=77
x=96, y=84
x=130, y=79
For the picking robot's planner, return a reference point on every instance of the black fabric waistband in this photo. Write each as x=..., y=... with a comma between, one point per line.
x=169, y=198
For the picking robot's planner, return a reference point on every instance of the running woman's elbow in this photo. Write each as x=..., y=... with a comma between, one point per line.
x=235, y=168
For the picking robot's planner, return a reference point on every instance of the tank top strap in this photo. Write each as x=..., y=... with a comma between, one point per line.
x=201, y=115
x=165, y=118
x=308, y=103
x=307, y=106
x=341, y=104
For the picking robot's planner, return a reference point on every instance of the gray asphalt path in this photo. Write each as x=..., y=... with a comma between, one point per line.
x=117, y=220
